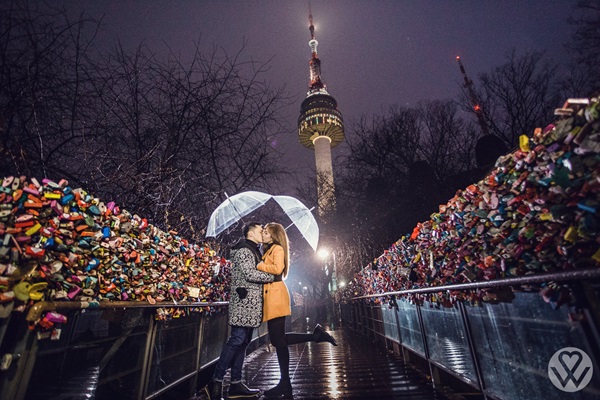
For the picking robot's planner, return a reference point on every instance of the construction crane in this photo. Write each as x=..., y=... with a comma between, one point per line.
x=473, y=98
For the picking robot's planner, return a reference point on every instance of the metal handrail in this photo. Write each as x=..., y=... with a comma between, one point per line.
x=37, y=309
x=589, y=273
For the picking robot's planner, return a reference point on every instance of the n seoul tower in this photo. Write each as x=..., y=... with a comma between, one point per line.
x=320, y=127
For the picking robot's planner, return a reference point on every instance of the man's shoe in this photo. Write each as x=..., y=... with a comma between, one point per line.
x=321, y=335
x=214, y=390
x=239, y=391
x=283, y=388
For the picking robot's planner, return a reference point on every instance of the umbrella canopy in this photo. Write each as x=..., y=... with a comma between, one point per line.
x=236, y=207
x=302, y=217
x=233, y=209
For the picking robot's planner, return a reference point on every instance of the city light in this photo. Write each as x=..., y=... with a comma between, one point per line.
x=323, y=253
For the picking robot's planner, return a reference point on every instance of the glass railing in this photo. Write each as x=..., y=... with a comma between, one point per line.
x=117, y=353
x=116, y=350
x=524, y=349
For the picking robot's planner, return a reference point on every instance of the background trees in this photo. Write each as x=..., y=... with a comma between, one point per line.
x=45, y=91
x=519, y=95
x=583, y=79
x=401, y=165
x=188, y=132
x=164, y=137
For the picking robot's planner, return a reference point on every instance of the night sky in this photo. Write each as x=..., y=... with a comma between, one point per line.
x=374, y=54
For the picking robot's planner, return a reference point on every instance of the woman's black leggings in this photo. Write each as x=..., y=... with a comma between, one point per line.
x=282, y=340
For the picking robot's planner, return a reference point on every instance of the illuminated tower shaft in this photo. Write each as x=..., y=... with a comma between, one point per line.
x=325, y=186
x=320, y=127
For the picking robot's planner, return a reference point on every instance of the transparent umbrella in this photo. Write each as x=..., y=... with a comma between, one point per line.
x=302, y=217
x=233, y=209
x=236, y=207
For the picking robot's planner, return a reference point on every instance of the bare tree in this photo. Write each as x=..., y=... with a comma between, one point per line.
x=177, y=136
x=163, y=137
x=519, y=96
x=447, y=141
x=381, y=152
x=583, y=80
x=580, y=79
x=44, y=88
x=400, y=166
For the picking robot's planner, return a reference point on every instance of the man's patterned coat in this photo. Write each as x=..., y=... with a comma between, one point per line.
x=246, y=295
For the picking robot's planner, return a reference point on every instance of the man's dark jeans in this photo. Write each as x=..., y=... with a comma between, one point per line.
x=233, y=353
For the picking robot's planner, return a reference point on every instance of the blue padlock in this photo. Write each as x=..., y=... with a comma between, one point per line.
x=67, y=199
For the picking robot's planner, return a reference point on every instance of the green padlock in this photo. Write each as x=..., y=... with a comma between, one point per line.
x=22, y=291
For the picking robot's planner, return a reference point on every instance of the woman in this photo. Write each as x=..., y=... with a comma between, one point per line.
x=276, y=305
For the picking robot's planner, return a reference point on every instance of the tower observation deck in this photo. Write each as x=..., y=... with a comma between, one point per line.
x=320, y=127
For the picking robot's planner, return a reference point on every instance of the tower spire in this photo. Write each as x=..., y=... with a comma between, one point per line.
x=310, y=20
x=316, y=85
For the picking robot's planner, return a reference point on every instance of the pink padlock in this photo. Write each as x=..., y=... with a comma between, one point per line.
x=56, y=207
x=56, y=317
x=74, y=292
x=31, y=190
x=24, y=218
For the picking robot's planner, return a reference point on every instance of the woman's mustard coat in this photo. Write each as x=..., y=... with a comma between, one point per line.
x=276, y=302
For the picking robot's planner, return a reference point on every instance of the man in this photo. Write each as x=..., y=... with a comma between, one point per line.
x=245, y=314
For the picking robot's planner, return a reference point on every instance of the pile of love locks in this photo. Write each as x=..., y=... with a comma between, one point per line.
x=63, y=244
x=537, y=211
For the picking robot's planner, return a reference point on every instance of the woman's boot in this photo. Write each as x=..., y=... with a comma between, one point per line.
x=283, y=388
x=321, y=335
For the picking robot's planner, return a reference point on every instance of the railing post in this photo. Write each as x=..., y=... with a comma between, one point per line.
x=592, y=315
x=378, y=323
x=147, y=364
x=359, y=318
x=199, y=353
x=425, y=344
x=14, y=385
x=368, y=320
x=471, y=342
x=396, y=308
x=363, y=318
x=4, y=322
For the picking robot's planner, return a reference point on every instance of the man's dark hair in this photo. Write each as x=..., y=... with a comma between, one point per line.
x=248, y=226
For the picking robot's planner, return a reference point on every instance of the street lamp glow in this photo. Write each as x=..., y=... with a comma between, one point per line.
x=323, y=253
x=342, y=284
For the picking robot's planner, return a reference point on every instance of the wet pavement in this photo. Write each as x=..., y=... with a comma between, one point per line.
x=355, y=369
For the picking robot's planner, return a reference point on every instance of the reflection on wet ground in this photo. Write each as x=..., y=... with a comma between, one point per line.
x=355, y=369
